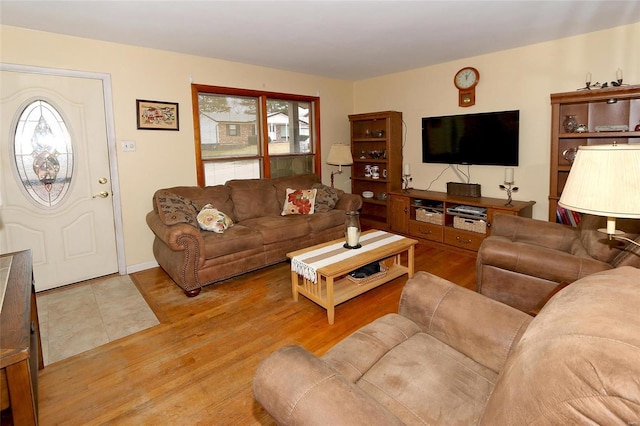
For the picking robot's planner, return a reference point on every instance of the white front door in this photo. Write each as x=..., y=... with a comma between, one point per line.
x=56, y=194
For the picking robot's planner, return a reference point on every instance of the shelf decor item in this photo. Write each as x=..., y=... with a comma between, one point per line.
x=157, y=115
x=570, y=124
x=508, y=185
x=352, y=230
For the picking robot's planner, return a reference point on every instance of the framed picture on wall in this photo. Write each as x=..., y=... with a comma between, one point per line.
x=157, y=115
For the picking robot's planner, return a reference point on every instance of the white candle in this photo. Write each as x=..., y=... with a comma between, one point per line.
x=352, y=236
x=508, y=175
x=407, y=169
x=619, y=74
x=588, y=78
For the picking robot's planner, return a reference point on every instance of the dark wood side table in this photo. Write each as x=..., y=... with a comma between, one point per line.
x=20, y=346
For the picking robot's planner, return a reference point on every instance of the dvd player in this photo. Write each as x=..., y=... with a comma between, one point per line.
x=469, y=210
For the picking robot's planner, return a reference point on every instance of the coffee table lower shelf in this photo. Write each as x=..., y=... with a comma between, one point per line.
x=333, y=287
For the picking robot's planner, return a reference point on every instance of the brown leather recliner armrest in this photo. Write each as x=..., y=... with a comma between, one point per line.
x=545, y=234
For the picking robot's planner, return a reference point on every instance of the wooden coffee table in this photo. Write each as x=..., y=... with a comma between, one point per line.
x=332, y=287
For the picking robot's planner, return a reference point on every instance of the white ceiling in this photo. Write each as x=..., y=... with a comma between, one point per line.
x=349, y=40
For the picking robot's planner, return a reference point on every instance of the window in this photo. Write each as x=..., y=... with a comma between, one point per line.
x=43, y=153
x=245, y=134
x=232, y=129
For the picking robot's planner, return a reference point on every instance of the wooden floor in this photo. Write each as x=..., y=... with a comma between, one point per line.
x=197, y=366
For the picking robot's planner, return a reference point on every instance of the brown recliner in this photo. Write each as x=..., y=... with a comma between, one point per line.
x=525, y=259
x=453, y=356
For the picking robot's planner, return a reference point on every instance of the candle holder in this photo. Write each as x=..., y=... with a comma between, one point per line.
x=352, y=230
x=508, y=186
x=405, y=182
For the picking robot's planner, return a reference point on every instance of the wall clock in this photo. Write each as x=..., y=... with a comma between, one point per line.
x=466, y=81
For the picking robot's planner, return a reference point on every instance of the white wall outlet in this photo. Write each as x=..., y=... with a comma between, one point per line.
x=128, y=146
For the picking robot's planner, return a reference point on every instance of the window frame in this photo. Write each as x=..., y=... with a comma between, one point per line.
x=263, y=154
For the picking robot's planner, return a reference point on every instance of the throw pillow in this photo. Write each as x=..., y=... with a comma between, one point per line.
x=173, y=209
x=326, y=198
x=212, y=219
x=299, y=201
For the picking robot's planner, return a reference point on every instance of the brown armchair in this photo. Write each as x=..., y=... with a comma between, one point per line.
x=525, y=259
x=453, y=356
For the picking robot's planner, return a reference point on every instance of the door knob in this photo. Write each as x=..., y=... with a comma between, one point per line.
x=103, y=194
x=102, y=180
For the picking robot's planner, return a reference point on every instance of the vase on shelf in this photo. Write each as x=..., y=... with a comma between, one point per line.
x=637, y=128
x=570, y=124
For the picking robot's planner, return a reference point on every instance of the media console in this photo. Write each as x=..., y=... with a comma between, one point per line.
x=452, y=220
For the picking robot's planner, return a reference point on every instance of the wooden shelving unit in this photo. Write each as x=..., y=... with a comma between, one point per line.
x=593, y=108
x=376, y=132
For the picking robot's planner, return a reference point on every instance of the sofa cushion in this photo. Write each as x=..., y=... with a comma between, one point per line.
x=326, y=197
x=279, y=228
x=212, y=219
x=236, y=239
x=422, y=379
x=253, y=198
x=173, y=208
x=299, y=201
x=295, y=181
x=218, y=196
x=319, y=222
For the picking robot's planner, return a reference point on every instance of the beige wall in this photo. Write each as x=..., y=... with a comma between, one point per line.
x=166, y=158
x=514, y=79
x=521, y=79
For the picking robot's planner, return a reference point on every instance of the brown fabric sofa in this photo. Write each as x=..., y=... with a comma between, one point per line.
x=453, y=356
x=260, y=235
x=525, y=259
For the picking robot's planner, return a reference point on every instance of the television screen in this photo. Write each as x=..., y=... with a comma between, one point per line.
x=485, y=139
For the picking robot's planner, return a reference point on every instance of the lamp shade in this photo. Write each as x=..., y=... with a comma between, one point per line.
x=340, y=155
x=604, y=181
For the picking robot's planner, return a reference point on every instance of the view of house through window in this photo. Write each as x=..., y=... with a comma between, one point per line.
x=245, y=134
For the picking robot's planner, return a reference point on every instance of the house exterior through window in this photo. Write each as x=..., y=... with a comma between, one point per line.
x=246, y=134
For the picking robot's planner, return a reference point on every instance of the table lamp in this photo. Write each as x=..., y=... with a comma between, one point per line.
x=605, y=181
x=339, y=155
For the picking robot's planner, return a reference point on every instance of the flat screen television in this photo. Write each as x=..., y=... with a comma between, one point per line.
x=490, y=138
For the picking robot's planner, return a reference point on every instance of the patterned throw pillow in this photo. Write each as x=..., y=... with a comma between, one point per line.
x=212, y=219
x=326, y=198
x=174, y=209
x=299, y=201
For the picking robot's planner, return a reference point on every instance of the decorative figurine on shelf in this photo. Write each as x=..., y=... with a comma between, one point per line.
x=508, y=185
x=598, y=85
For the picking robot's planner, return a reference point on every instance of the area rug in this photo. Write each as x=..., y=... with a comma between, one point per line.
x=84, y=316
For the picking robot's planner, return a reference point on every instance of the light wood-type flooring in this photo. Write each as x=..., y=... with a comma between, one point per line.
x=196, y=367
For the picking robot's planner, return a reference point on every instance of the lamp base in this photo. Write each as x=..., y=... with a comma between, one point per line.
x=616, y=235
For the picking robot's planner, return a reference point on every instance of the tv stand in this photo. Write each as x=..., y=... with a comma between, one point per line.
x=432, y=217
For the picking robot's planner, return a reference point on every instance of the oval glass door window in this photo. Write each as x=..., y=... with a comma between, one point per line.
x=43, y=153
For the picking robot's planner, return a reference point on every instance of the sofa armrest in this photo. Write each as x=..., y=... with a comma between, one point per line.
x=536, y=261
x=349, y=202
x=298, y=388
x=475, y=325
x=177, y=237
x=538, y=232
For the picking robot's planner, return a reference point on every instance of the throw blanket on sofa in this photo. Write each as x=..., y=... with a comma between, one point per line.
x=308, y=264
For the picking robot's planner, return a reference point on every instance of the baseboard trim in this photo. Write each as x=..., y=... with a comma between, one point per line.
x=141, y=266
